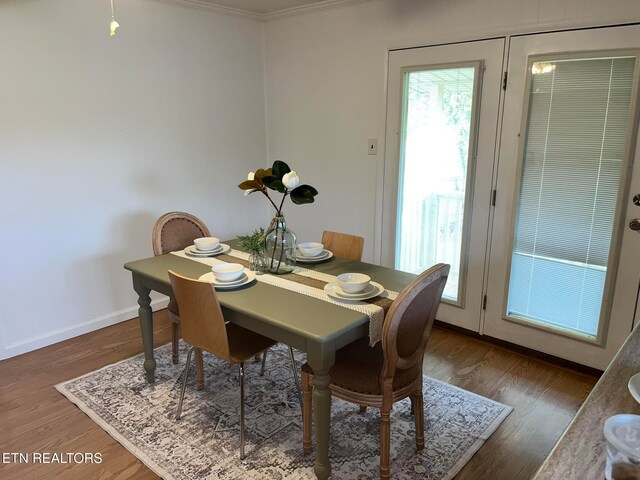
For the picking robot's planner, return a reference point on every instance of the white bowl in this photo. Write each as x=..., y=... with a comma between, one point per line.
x=353, y=282
x=226, y=272
x=310, y=249
x=206, y=244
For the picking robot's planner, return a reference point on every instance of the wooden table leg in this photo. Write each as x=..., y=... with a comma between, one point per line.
x=321, y=364
x=146, y=327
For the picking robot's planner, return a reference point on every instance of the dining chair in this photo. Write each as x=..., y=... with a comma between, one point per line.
x=176, y=231
x=204, y=328
x=390, y=371
x=343, y=244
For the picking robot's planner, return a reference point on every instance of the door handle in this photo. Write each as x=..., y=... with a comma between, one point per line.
x=635, y=224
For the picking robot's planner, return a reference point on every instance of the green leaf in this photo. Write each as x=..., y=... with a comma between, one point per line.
x=260, y=174
x=303, y=194
x=274, y=183
x=249, y=184
x=278, y=185
x=252, y=242
x=266, y=181
x=280, y=169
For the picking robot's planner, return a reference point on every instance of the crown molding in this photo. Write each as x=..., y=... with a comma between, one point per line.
x=212, y=7
x=313, y=7
x=287, y=12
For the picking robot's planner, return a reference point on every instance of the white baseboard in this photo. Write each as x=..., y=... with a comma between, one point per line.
x=49, y=338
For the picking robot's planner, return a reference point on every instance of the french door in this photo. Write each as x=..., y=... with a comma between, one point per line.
x=442, y=119
x=564, y=266
x=528, y=192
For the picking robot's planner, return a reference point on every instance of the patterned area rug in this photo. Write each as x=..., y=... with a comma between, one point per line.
x=204, y=443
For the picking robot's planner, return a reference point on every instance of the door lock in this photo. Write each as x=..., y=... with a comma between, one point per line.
x=636, y=199
x=635, y=224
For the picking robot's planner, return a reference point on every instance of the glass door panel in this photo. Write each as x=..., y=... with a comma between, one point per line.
x=574, y=149
x=436, y=151
x=442, y=119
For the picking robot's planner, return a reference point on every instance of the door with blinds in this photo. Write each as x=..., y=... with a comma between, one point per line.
x=564, y=267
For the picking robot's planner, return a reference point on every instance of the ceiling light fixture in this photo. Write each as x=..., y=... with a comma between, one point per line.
x=113, y=25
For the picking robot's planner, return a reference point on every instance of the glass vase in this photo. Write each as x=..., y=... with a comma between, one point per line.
x=256, y=262
x=279, y=247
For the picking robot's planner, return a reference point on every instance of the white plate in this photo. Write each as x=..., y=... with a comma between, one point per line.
x=325, y=255
x=247, y=277
x=194, y=250
x=222, y=248
x=634, y=387
x=334, y=290
x=363, y=293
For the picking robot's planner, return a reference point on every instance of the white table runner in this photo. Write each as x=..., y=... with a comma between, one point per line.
x=374, y=312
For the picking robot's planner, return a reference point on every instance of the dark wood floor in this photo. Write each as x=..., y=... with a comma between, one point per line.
x=34, y=417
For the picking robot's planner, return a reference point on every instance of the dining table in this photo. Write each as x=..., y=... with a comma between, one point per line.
x=307, y=323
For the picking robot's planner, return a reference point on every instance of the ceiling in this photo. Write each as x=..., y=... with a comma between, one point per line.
x=262, y=6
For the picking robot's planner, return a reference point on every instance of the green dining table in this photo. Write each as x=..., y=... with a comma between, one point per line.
x=309, y=324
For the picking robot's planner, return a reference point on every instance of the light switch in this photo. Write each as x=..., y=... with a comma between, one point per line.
x=373, y=146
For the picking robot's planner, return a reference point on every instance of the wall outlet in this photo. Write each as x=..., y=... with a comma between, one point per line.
x=372, y=146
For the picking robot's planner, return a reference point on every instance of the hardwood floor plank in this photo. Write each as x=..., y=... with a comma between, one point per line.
x=545, y=398
x=34, y=417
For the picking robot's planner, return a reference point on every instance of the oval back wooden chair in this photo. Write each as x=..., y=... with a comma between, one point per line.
x=390, y=371
x=175, y=231
x=343, y=244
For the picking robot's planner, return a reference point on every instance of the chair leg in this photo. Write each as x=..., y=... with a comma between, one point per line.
x=175, y=339
x=199, y=369
x=241, y=370
x=418, y=405
x=264, y=362
x=385, y=441
x=295, y=375
x=184, y=384
x=307, y=408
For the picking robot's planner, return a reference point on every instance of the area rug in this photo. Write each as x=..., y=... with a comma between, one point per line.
x=204, y=443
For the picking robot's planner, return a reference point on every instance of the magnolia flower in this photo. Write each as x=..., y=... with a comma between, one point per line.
x=279, y=178
x=291, y=180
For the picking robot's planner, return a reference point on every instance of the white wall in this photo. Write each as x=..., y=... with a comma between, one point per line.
x=326, y=88
x=99, y=136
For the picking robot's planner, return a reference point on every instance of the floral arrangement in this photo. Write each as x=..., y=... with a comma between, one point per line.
x=282, y=179
x=279, y=242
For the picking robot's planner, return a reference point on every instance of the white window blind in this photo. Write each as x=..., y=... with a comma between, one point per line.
x=575, y=141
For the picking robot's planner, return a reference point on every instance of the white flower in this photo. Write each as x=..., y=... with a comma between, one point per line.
x=291, y=180
x=251, y=175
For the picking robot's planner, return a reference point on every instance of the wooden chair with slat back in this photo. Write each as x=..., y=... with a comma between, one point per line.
x=176, y=231
x=343, y=244
x=390, y=371
x=203, y=327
